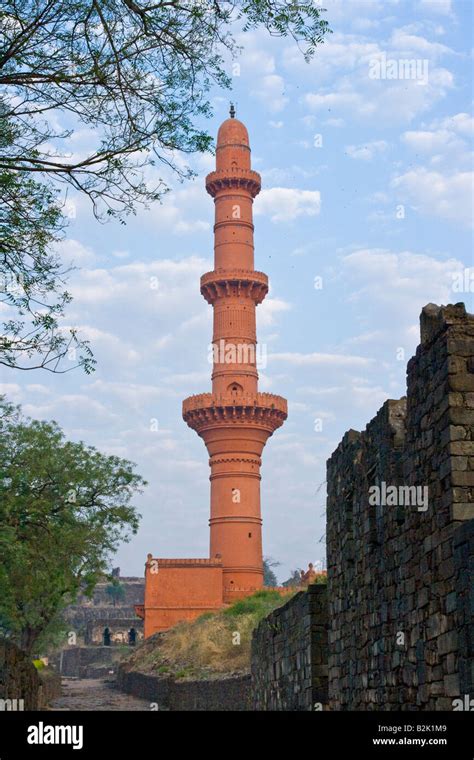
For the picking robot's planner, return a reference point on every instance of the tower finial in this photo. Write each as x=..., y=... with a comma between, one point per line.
x=232, y=111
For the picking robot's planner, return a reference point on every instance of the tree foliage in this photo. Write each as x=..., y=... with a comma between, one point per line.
x=64, y=509
x=269, y=577
x=31, y=276
x=116, y=591
x=135, y=75
x=294, y=579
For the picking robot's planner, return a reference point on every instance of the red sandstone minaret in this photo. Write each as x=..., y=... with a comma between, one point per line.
x=235, y=420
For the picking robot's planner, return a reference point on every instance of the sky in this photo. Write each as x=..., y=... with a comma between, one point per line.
x=364, y=217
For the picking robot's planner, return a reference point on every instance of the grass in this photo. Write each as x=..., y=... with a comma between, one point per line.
x=258, y=605
x=211, y=646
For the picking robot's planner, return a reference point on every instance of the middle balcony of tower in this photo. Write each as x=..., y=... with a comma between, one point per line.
x=235, y=282
x=208, y=411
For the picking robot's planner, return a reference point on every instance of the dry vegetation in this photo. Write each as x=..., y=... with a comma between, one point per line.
x=207, y=647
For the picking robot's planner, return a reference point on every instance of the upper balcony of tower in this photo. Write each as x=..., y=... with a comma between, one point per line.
x=233, y=158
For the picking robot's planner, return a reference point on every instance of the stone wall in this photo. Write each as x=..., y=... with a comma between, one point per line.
x=398, y=573
x=119, y=630
x=88, y=617
x=134, y=592
x=219, y=694
x=289, y=654
x=49, y=689
x=464, y=568
x=88, y=661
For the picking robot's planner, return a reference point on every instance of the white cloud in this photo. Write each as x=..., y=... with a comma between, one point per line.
x=399, y=283
x=74, y=253
x=183, y=211
x=340, y=53
x=319, y=359
x=81, y=406
x=157, y=285
x=271, y=90
x=444, y=142
x=12, y=391
x=441, y=7
x=119, y=254
x=462, y=123
x=38, y=388
x=268, y=310
x=283, y=204
x=128, y=393
x=366, y=151
x=345, y=89
x=258, y=64
x=427, y=142
x=341, y=99
x=435, y=194
x=107, y=343
x=278, y=175
x=411, y=45
x=335, y=122
x=388, y=101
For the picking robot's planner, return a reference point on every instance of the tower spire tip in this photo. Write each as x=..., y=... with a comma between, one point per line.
x=232, y=111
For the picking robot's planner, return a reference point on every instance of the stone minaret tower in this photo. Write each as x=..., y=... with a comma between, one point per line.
x=235, y=420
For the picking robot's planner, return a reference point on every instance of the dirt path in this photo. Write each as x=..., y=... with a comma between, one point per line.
x=95, y=694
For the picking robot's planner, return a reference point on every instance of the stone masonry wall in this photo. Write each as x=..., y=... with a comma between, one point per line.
x=88, y=613
x=289, y=654
x=400, y=610
x=216, y=695
x=464, y=568
x=119, y=630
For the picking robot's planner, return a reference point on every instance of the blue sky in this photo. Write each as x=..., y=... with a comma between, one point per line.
x=367, y=185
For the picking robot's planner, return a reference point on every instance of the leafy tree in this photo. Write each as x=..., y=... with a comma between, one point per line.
x=269, y=577
x=64, y=509
x=30, y=222
x=116, y=591
x=293, y=580
x=137, y=75
x=137, y=72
